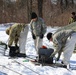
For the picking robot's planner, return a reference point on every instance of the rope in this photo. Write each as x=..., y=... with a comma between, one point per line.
x=27, y=67
x=10, y=69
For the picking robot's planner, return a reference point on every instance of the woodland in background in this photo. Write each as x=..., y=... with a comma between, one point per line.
x=54, y=12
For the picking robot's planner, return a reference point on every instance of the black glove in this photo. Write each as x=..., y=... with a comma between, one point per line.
x=33, y=36
x=41, y=36
x=16, y=45
x=5, y=46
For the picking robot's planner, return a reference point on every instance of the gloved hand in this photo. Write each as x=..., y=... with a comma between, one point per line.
x=44, y=47
x=33, y=36
x=5, y=46
x=41, y=36
x=57, y=59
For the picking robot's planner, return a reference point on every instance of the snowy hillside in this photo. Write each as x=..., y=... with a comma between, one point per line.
x=24, y=67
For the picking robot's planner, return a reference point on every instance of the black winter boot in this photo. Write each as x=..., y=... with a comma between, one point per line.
x=21, y=55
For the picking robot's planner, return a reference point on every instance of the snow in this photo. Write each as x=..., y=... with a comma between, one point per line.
x=54, y=1
x=27, y=68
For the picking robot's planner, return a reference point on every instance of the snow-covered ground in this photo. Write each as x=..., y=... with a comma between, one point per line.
x=27, y=68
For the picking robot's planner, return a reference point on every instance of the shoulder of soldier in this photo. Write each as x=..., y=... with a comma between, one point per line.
x=40, y=20
x=59, y=32
x=15, y=24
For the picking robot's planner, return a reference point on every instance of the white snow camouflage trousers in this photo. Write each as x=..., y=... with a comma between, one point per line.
x=22, y=39
x=38, y=43
x=69, y=48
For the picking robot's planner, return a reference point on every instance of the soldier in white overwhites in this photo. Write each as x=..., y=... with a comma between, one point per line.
x=38, y=29
x=18, y=32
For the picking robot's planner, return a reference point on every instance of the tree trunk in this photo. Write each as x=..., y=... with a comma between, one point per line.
x=29, y=9
x=40, y=7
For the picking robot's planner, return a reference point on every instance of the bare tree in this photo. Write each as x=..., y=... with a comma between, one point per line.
x=29, y=9
x=40, y=7
x=64, y=4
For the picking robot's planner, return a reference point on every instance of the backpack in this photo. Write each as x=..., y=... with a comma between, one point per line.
x=44, y=55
